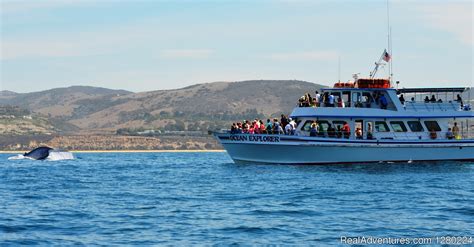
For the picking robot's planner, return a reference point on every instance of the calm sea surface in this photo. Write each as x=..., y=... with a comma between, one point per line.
x=204, y=198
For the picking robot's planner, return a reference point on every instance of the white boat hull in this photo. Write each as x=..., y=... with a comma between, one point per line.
x=310, y=150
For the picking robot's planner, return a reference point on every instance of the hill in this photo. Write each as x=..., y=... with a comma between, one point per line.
x=197, y=107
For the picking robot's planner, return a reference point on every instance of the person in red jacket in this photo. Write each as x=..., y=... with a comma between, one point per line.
x=346, y=130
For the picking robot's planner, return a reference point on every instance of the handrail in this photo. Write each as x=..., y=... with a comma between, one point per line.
x=440, y=135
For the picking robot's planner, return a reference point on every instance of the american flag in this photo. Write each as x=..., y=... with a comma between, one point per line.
x=386, y=56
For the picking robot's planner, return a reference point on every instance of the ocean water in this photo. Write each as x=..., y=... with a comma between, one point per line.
x=204, y=198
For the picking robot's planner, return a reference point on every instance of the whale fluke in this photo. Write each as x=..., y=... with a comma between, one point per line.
x=39, y=153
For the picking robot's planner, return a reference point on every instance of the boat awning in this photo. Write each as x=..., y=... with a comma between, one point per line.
x=432, y=90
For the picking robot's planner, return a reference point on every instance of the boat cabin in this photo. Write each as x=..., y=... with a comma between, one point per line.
x=370, y=109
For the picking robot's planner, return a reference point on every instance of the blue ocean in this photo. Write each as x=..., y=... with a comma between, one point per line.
x=204, y=199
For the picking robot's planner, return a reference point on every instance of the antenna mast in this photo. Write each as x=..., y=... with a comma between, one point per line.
x=389, y=43
x=339, y=69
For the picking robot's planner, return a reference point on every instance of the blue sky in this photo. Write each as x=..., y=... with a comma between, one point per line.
x=150, y=45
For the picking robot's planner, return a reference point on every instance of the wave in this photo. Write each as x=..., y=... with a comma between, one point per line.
x=53, y=156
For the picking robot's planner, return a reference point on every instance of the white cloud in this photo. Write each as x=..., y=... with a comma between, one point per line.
x=455, y=18
x=186, y=53
x=305, y=56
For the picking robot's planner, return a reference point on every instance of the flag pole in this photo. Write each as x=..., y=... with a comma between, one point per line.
x=389, y=45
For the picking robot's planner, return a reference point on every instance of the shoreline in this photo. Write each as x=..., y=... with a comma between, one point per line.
x=127, y=151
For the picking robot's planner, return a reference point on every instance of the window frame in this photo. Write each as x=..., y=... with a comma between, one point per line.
x=305, y=123
x=401, y=124
x=419, y=125
x=376, y=128
x=437, y=128
x=335, y=123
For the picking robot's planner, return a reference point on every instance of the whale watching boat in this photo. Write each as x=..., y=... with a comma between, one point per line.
x=366, y=121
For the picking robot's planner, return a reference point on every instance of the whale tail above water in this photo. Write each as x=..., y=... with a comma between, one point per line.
x=44, y=153
x=39, y=153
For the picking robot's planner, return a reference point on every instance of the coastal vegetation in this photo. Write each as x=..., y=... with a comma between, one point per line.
x=87, y=118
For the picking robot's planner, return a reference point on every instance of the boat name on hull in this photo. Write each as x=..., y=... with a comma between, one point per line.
x=255, y=138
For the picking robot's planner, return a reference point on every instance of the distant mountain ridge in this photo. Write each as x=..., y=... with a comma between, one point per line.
x=7, y=93
x=196, y=107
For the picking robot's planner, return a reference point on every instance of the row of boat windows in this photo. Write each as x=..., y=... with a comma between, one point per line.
x=379, y=126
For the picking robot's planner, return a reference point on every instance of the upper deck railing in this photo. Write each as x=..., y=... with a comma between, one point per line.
x=422, y=106
x=387, y=99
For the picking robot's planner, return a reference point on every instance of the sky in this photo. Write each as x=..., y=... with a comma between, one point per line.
x=148, y=45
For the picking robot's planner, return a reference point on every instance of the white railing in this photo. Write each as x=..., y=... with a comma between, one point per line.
x=435, y=106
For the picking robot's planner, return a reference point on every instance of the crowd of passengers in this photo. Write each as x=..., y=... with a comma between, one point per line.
x=329, y=100
x=287, y=126
x=284, y=126
x=275, y=126
x=378, y=98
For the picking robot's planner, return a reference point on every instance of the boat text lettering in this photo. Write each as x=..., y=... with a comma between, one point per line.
x=255, y=138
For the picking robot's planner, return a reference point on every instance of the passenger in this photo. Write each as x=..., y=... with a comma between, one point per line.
x=239, y=128
x=363, y=101
x=370, y=136
x=314, y=129
x=340, y=103
x=293, y=126
x=331, y=131
x=317, y=97
x=310, y=99
x=433, y=99
x=263, y=130
x=288, y=129
x=368, y=101
x=245, y=127
x=251, y=129
x=346, y=131
x=277, y=129
x=376, y=96
x=459, y=99
x=402, y=99
x=440, y=101
x=326, y=99
x=433, y=134
x=456, y=131
x=269, y=127
x=427, y=99
x=331, y=100
x=314, y=103
x=283, y=120
x=301, y=101
x=358, y=133
x=449, y=134
x=412, y=99
x=339, y=132
x=256, y=126
x=383, y=102
x=233, y=129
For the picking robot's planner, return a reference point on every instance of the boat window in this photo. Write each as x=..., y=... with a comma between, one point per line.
x=381, y=126
x=415, y=126
x=307, y=125
x=298, y=121
x=336, y=94
x=346, y=96
x=323, y=125
x=398, y=126
x=432, y=125
x=356, y=97
x=338, y=123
